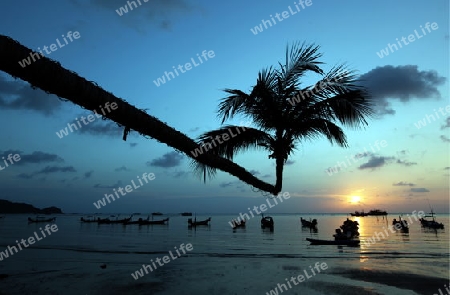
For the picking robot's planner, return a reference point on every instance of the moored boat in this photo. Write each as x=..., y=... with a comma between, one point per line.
x=311, y=223
x=377, y=212
x=267, y=222
x=196, y=223
x=89, y=219
x=431, y=223
x=359, y=214
x=237, y=223
x=150, y=222
x=109, y=221
x=400, y=224
x=186, y=214
x=41, y=219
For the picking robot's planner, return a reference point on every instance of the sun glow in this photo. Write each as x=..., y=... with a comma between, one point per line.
x=355, y=199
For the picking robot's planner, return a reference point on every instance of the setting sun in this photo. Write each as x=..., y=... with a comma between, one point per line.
x=355, y=199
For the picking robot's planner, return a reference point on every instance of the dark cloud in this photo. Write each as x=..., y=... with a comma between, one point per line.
x=133, y=144
x=161, y=13
x=447, y=168
x=289, y=162
x=171, y=159
x=255, y=172
x=444, y=138
x=266, y=176
x=102, y=127
x=116, y=185
x=226, y=184
x=88, y=174
x=402, y=83
x=195, y=129
x=123, y=168
x=34, y=158
x=19, y=95
x=180, y=174
x=402, y=183
x=406, y=163
x=54, y=169
x=375, y=162
x=447, y=123
x=48, y=170
x=419, y=190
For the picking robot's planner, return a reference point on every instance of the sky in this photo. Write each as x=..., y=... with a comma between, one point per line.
x=395, y=163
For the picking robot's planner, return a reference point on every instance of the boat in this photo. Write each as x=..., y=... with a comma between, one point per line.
x=156, y=213
x=41, y=219
x=109, y=221
x=266, y=222
x=377, y=212
x=196, y=223
x=403, y=224
x=186, y=214
x=237, y=224
x=90, y=219
x=345, y=235
x=150, y=222
x=311, y=224
x=431, y=223
x=333, y=242
x=359, y=214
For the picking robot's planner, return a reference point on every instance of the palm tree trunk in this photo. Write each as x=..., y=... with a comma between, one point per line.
x=49, y=76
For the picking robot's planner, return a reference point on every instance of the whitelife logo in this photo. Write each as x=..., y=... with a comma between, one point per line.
x=36, y=56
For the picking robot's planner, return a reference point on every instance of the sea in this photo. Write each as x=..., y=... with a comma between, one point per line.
x=90, y=258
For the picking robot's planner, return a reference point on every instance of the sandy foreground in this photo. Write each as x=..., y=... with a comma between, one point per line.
x=215, y=275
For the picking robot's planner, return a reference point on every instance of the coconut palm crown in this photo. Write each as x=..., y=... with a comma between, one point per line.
x=286, y=113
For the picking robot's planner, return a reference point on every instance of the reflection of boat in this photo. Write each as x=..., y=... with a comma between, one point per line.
x=359, y=214
x=237, y=224
x=377, y=212
x=196, y=223
x=311, y=224
x=186, y=214
x=431, y=223
x=400, y=224
x=266, y=222
x=41, y=219
x=333, y=242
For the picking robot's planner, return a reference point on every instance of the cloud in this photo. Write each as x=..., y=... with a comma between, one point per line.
x=107, y=128
x=255, y=172
x=406, y=163
x=116, y=185
x=419, y=190
x=375, y=162
x=226, y=184
x=402, y=83
x=171, y=159
x=88, y=174
x=289, y=162
x=48, y=170
x=123, y=168
x=447, y=168
x=447, y=123
x=54, y=169
x=444, y=138
x=19, y=95
x=161, y=13
x=133, y=144
x=34, y=158
x=402, y=183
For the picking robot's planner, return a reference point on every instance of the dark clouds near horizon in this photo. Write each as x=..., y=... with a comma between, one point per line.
x=170, y=159
x=402, y=83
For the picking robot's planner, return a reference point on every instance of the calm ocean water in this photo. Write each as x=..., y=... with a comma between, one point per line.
x=78, y=249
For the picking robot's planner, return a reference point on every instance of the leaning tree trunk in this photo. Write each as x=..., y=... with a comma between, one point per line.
x=52, y=78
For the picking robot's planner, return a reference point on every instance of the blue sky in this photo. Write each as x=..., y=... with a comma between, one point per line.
x=125, y=54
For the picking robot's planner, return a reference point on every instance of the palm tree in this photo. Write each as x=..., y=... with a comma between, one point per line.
x=51, y=77
x=286, y=113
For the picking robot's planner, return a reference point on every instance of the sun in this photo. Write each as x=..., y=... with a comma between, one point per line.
x=355, y=199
